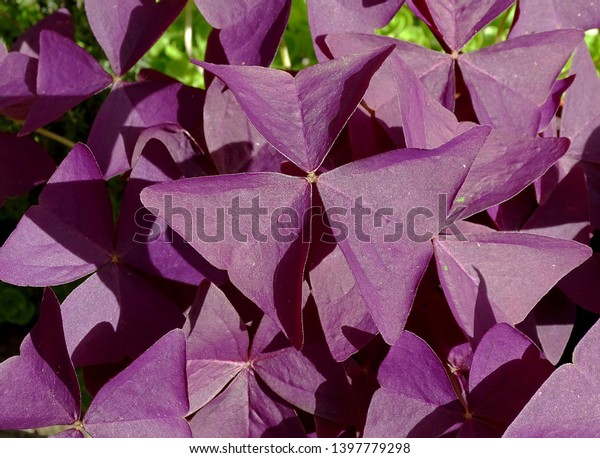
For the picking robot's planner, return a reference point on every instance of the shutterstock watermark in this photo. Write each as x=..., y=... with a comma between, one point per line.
x=248, y=219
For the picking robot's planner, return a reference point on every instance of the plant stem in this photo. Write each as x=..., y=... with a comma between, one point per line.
x=56, y=137
x=502, y=24
x=188, y=35
x=284, y=52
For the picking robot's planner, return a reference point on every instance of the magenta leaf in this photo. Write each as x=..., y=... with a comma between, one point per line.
x=233, y=142
x=346, y=321
x=243, y=44
x=126, y=29
x=115, y=314
x=219, y=356
x=17, y=84
x=39, y=387
x=147, y=399
x=581, y=113
x=302, y=116
x=246, y=408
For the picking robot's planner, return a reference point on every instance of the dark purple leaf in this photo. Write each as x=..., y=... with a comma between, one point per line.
x=115, y=314
x=64, y=238
x=275, y=282
x=233, y=142
x=59, y=22
x=346, y=321
x=147, y=399
x=482, y=291
x=56, y=90
x=242, y=43
x=23, y=165
x=510, y=82
x=126, y=29
x=39, y=387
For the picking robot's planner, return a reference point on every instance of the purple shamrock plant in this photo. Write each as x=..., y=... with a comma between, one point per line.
x=394, y=242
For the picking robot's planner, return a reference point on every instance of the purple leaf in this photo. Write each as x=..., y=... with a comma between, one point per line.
x=59, y=22
x=180, y=148
x=551, y=323
x=144, y=242
x=406, y=407
x=24, y=164
x=567, y=404
x=17, y=84
x=581, y=113
x=457, y=22
x=132, y=107
x=397, y=182
x=126, y=29
x=244, y=44
x=311, y=379
x=327, y=17
x=147, y=399
x=222, y=379
x=506, y=164
x=302, y=116
x=275, y=283
x=233, y=142
x=217, y=346
x=346, y=321
x=39, y=387
x=115, y=314
x=482, y=291
x=64, y=238
x=246, y=409
x=541, y=15
x=510, y=81
x=57, y=92
x=434, y=69
x=505, y=371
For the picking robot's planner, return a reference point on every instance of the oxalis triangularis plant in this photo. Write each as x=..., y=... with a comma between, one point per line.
x=394, y=242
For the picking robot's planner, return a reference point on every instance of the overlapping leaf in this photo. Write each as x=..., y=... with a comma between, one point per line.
x=506, y=370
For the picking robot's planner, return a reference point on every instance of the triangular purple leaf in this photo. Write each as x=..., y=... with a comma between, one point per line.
x=392, y=187
x=126, y=29
x=64, y=238
x=39, y=387
x=302, y=116
x=243, y=44
x=57, y=92
x=147, y=399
